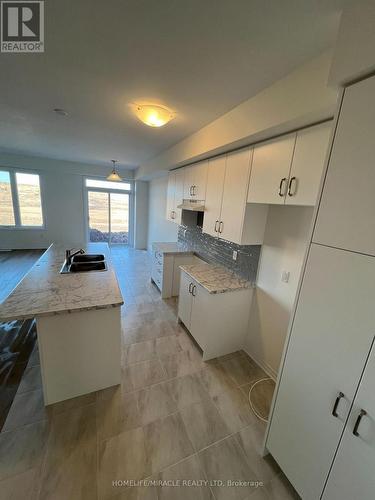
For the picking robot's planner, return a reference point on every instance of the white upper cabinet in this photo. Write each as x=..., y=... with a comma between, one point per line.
x=346, y=217
x=226, y=214
x=308, y=163
x=170, y=196
x=214, y=195
x=270, y=170
x=288, y=170
x=175, y=195
x=233, y=206
x=195, y=181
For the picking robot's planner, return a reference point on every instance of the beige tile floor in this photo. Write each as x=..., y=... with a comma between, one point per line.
x=173, y=419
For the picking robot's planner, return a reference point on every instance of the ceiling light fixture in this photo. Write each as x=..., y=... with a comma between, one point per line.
x=114, y=176
x=153, y=115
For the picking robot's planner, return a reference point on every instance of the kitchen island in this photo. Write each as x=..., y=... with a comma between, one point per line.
x=78, y=323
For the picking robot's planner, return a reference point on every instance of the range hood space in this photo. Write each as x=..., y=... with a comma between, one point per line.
x=192, y=205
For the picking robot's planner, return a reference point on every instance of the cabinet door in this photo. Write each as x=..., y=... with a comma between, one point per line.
x=346, y=213
x=188, y=183
x=201, y=310
x=331, y=336
x=170, y=196
x=178, y=194
x=199, y=176
x=236, y=183
x=185, y=300
x=214, y=195
x=307, y=165
x=270, y=170
x=352, y=474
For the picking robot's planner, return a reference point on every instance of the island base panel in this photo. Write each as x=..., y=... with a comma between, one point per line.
x=79, y=352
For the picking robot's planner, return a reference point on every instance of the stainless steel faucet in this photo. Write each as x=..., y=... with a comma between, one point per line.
x=69, y=255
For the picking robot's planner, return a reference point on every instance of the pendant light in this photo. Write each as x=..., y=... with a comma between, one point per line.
x=114, y=176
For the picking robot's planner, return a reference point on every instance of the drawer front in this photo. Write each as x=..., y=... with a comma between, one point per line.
x=157, y=276
x=157, y=256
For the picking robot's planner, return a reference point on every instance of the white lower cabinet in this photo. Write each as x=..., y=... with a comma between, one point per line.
x=352, y=475
x=331, y=336
x=165, y=270
x=185, y=300
x=217, y=321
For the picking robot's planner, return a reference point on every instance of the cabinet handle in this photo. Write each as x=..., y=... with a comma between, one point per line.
x=281, y=186
x=193, y=190
x=193, y=290
x=221, y=225
x=335, y=406
x=290, y=193
x=216, y=223
x=362, y=413
x=190, y=285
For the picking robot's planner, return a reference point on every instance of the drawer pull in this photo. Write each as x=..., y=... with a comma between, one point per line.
x=190, y=286
x=221, y=227
x=362, y=413
x=216, y=229
x=193, y=291
x=335, y=406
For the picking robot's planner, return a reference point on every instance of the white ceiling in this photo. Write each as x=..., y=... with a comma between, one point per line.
x=199, y=57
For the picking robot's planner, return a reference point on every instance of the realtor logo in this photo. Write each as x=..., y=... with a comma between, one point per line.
x=22, y=26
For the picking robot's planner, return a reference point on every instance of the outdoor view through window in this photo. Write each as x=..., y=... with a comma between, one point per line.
x=108, y=211
x=20, y=199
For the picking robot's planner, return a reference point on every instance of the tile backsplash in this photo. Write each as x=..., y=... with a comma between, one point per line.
x=216, y=251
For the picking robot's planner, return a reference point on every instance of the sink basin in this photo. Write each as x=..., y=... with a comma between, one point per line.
x=87, y=257
x=84, y=267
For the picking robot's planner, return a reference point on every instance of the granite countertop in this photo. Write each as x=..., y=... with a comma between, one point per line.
x=45, y=292
x=171, y=248
x=215, y=279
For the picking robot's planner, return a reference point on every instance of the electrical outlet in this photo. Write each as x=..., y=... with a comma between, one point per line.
x=285, y=276
x=234, y=255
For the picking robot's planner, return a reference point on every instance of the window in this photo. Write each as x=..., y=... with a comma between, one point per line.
x=20, y=199
x=117, y=186
x=109, y=211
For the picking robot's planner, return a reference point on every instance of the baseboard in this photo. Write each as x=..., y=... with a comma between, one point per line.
x=270, y=371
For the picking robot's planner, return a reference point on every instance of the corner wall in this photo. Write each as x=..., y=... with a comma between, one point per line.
x=159, y=229
x=285, y=244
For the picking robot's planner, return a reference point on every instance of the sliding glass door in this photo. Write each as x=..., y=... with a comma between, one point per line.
x=108, y=215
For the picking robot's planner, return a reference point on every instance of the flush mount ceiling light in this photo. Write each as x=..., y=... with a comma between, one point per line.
x=114, y=176
x=153, y=115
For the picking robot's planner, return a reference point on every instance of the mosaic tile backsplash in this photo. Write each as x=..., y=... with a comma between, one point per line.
x=216, y=251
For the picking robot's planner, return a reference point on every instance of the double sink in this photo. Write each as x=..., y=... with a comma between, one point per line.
x=84, y=263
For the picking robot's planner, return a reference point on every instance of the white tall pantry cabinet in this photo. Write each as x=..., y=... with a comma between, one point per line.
x=322, y=426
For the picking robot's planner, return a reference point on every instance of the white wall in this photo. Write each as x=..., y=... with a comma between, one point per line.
x=62, y=193
x=299, y=99
x=141, y=215
x=159, y=229
x=354, y=55
x=284, y=247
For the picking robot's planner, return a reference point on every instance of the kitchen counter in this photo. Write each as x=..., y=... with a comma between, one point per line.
x=216, y=279
x=44, y=291
x=170, y=248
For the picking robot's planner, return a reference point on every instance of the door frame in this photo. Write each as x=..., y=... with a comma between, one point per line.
x=106, y=190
